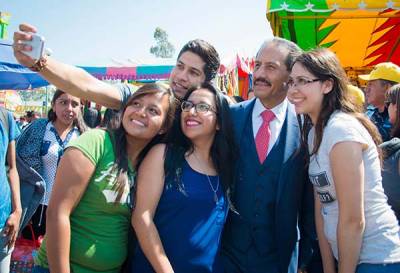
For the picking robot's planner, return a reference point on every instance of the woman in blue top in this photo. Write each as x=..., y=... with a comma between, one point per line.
x=183, y=189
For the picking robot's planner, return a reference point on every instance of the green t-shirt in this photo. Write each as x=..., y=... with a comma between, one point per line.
x=99, y=226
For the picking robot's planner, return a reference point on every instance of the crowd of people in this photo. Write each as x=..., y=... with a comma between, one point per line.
x=185, y=179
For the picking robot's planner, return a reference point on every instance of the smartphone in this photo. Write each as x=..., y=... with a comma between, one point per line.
x=37, y=44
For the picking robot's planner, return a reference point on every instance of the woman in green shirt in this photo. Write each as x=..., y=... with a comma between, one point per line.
x=89, y=212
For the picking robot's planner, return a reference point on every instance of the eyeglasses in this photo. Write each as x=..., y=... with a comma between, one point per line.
x=300, y=82
x=200, y=107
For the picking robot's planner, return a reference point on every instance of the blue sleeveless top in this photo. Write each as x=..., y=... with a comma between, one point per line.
x=190, y=224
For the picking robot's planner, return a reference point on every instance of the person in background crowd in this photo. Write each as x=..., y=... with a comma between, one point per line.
x=10, y=204
x=31, y=116
x=197, y=62
x=92, y=116
x=109, y=115
x=355, y=224
x=90, y=207
x=381, y=78
x=270, y=185
x=183, y=189
x=22, y=123
x=357, y=97
x=250, y=94
x=41, y=146
x=391, y=148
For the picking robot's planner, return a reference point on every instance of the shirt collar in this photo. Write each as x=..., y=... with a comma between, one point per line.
x=279, y=110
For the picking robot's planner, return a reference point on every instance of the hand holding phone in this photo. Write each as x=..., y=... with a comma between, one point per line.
x=37, y=44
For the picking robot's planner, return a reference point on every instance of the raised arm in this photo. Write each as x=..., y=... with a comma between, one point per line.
x=72, y=178
x=150, y=185
x=70, y=79
x=348, y=174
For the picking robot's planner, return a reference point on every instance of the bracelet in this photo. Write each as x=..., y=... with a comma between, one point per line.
x=39, y=65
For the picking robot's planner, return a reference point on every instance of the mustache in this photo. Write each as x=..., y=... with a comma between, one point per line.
x=262, y=80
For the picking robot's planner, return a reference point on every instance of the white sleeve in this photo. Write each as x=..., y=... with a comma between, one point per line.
x=343, y=130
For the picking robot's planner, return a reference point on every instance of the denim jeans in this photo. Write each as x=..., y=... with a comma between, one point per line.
x=5, y=253
x=378, y=268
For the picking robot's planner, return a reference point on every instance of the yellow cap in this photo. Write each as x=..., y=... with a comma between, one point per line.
x=356, y=94
x=383, y=71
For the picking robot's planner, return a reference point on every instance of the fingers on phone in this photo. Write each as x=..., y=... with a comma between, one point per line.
x=22, y=36
x=27, y=28
x=22, y=47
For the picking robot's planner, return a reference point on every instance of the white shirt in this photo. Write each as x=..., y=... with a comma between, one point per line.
x=275, y=125
x=51, y=152
x=381, y=242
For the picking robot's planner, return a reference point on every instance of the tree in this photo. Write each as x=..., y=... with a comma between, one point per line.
x=163, y=48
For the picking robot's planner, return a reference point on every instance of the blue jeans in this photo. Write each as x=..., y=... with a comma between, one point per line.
x=5, y=253
x=39, y=269
x=378, y=268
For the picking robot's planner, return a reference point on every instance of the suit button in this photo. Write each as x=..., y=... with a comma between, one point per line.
x=261, y=172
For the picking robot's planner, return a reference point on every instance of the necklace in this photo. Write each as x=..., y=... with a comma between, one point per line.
x=209, y=182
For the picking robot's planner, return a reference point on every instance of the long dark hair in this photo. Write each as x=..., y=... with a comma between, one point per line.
x=223, y=148
x=118, y=134
x=78, y=122
x=393, y=96
x=324, y=65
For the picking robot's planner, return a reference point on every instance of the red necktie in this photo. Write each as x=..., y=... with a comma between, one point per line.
x=263, y=135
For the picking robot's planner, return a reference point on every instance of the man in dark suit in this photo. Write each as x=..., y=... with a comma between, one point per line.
x=263, y=234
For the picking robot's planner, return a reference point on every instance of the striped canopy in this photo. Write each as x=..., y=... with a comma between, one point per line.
x=14, y=76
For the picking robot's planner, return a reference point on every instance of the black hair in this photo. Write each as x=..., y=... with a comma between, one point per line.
x=207, y=53
x=223, y=149
x=118, y=133
x=393, y=96
x=78, y=121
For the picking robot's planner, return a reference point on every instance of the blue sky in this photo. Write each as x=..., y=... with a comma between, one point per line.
x=100, y=32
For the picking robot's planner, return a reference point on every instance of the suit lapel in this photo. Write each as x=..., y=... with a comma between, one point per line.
x=241, y=114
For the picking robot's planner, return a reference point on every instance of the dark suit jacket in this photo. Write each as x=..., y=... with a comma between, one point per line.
x=294, y=205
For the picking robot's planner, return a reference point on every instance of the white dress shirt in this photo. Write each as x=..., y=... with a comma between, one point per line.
x=275, y=125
